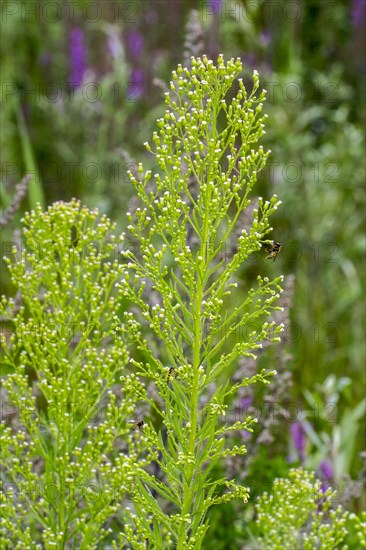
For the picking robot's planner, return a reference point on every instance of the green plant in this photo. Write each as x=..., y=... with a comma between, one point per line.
x=359, y=524
x=185, y=341
x=61, y=479
x=205, y=150
x=298, y=514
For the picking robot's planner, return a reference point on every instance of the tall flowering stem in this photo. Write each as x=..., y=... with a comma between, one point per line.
x=207, y=136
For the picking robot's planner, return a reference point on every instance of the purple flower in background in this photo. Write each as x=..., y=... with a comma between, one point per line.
x=215, y=6
x=298, y=437
x=245, y=434
x=135, y=43
x=136, y=84
x=245, y=403
x=358, y=12
x=326, y=470
x=77, y=57
x=251, y=60
x=266, y=37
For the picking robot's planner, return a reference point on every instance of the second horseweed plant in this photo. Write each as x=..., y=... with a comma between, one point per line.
x=62, y=354
x=96, y=339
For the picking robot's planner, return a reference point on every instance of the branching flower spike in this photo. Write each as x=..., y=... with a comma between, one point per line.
x=208, y=160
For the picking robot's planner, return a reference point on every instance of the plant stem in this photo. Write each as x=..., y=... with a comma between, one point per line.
x=189, y=489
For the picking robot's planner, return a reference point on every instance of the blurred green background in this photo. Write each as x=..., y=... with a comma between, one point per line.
x=82, y=86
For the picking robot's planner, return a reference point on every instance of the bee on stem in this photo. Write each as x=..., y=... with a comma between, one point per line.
x=139, y=424
x=273, y=250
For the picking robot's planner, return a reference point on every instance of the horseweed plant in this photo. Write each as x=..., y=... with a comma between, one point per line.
x=59, y=483
x=300, y=514
x=75, y=389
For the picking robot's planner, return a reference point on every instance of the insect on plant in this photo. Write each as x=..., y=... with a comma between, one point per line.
x=274, y=249
x=169, y=375
x=139, y=424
